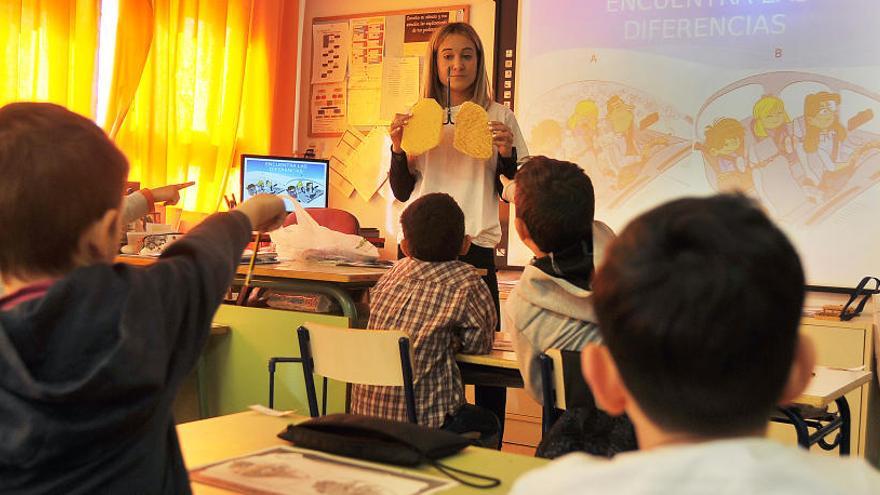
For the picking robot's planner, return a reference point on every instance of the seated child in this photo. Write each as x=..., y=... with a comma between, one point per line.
x=441, y=303
x=551, y=308
x=699, y=304
x=91, y=353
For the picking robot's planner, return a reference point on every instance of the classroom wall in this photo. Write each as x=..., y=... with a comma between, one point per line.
x=285, y=91
x=377, y=212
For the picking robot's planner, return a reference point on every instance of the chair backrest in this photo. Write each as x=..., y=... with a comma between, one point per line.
x=602, y=236
x=365, y=357
x=563, y=385
x=332, y=218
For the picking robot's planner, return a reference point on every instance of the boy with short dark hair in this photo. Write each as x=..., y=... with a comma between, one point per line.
x=551, y=306
x=92, y=353
x=441, y=303
x=699, y=303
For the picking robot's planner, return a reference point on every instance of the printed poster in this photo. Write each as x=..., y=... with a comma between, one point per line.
x=400, y=86
x=329, y=52
x=328, y=108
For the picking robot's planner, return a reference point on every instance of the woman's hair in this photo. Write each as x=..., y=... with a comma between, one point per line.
x=762, y=109
x=432, y=85
x=812, y=105
x=723, y=129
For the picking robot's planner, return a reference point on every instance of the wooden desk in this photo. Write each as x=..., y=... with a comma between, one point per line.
x=498, y=369
x=219, y=438
x=495, y=359
x=828, y=385
x=316, y=272
x=333, y=281
x=330, y=280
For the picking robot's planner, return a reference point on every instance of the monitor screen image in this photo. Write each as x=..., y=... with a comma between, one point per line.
x=301, y=178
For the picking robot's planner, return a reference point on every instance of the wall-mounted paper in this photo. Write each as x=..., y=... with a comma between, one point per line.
x=330, y=43
x=363, y=106
x=400, y=86
x=368, y=165
x=338, y=182
x=328, y=108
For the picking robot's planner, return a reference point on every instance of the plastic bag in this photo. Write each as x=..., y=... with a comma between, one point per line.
x=306, y=240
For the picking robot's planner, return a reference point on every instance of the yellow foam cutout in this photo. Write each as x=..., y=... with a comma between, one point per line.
x=472, y=135
x=422, y=132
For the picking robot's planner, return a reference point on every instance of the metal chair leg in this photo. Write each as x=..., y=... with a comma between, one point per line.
x=800, y=427
x=845, y=425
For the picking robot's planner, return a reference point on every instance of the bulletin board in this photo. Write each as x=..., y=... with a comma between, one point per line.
x=364, y=68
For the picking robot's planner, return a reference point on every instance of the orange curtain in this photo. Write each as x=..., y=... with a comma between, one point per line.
x=206, y=93
x=49, y=52
x=133, y=41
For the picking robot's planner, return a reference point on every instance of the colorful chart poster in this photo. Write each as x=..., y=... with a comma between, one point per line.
x=365, y=70
x=330, y=44
x=328, y=108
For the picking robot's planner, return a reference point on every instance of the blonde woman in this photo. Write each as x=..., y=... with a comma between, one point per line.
x=455, y=64
x=456, y=58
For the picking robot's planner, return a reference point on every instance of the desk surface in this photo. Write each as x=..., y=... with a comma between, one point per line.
x=299, y=270
x=830, y=383
x=219, y=438
x=495, y=359
x=303, y=270
x=827, y=385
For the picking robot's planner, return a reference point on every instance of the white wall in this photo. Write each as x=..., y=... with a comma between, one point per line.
x=377, y=212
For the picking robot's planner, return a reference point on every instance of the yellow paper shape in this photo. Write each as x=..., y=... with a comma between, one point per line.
x=472, y=135
x=422, y=131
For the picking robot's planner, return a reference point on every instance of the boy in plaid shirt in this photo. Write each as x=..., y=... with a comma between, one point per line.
x=443, y=306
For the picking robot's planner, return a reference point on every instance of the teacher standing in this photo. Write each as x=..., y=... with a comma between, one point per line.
x=455, y=58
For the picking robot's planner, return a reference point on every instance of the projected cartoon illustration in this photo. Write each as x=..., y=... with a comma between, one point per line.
x=304, y=190
x=622, y=137
x=657, y=100
x=803, y=167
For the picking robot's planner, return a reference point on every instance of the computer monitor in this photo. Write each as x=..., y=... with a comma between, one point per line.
x=305, y=179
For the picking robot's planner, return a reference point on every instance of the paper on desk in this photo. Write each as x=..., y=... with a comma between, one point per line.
x=290, y=470
x=269, y=412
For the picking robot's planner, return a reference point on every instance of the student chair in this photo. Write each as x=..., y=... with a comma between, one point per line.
x=356, y=356
x=562, y=384
x=333, y=219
